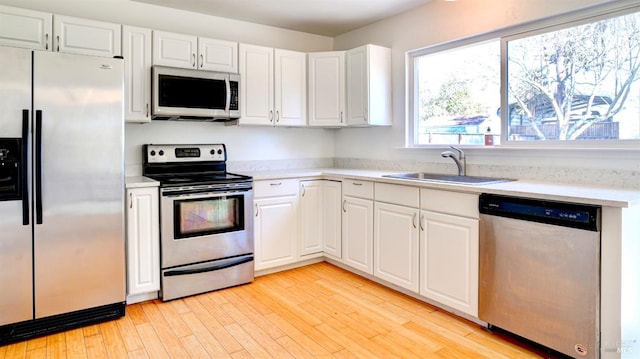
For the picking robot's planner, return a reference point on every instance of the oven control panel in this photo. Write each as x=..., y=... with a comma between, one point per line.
x=184, y=153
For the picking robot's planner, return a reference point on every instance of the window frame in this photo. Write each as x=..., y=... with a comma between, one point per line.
x=531, y=28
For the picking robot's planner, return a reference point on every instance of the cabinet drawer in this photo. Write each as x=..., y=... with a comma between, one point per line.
x=397, y=194
x=357, y=188
x=276, y=187
x=455, y=203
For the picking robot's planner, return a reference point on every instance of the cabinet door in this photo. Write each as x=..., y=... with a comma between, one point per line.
x=357, y=233
x=256, y=85
x=136, y=50
x=86, y=37
x=332, y=218
x=275, y=229
x=449, y=250
x=357, y=86
x=290, y=88
x=311, y=217
x=326, y=88
x=25, y=28
x=143, y=243
x=176, y=50
x=395, y=241
x=368, y=86
x=217, y=55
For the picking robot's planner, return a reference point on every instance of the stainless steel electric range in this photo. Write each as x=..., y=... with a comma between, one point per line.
x=206, y=222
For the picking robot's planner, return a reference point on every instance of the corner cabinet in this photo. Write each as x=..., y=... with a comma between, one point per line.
x=320, y=218
x=368, y=86
x=273, y=89
x=275, y=222
x=136, y=50
x=395, y=235
x=449, y=249
x=327, y=89
x=143, y=243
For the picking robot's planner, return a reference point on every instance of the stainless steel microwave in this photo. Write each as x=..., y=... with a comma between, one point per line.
x=196, y=95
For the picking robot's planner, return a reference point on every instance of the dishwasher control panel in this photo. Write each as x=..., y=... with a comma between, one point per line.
x=551, y=212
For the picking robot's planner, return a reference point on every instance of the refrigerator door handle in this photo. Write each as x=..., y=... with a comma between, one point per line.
x=38, y=169
x=24, y=168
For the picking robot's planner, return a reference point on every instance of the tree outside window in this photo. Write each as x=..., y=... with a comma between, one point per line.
x=576, y=83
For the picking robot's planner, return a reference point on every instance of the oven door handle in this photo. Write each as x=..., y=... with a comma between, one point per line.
x=208, y=269
x=207, y=192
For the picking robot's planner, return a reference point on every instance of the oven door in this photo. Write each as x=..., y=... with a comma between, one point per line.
x=203, y=225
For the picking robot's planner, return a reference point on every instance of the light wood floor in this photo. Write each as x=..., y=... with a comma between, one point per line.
x=318, y=311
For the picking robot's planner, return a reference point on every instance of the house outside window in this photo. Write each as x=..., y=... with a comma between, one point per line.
x=572, y=80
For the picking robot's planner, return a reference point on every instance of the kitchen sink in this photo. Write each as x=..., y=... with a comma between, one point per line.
x=435, y=177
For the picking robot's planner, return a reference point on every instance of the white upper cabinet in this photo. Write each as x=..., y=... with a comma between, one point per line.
x=25, y=28
x=175, y=50
x=273, y=86
x=44, y=31
x=368, y=86
x=192, y=52
x=217, y=55
x=327, y=88
x=87, y=37
x=136, y=50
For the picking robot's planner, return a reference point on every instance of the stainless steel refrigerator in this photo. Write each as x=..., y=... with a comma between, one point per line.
x=62, y=259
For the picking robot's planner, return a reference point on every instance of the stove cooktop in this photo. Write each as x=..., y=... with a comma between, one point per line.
x=167, y=180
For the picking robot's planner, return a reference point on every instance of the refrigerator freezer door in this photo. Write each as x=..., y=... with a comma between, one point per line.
x=16, y=296
x=79, y=246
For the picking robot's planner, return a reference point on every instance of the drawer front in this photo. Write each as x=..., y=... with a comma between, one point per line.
x=455, y=203
x=357, y=188
x=276, y=187
x=397, y=194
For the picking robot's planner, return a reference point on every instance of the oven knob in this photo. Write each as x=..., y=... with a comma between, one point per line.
x=152, y=153
x=161, y=153
x=213, y=152
x=219, y=151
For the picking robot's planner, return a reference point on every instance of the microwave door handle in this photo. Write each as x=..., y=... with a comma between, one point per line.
x=227, y=106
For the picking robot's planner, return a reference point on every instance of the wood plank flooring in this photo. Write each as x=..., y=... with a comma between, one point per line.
x=317, y=311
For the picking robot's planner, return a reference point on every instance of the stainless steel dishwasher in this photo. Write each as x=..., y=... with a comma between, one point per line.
x=540, y=271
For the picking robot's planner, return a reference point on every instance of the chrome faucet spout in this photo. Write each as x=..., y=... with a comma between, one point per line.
x=459, y=158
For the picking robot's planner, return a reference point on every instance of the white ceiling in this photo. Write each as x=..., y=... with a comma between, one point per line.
x=323, y=17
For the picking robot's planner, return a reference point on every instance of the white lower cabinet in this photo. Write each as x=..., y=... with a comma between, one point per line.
x=357, y=225
x=395, y=235
x=449, y=249
x=143, y=244
x=357, y=233
x=275, y=223
x=332, y=219
x=320, y=218
x=395, y=244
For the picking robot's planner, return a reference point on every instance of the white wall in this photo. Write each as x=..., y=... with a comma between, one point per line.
x=440, y=21
x=277, y=147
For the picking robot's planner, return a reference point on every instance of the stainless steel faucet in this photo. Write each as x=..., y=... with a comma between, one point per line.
x=459, y=159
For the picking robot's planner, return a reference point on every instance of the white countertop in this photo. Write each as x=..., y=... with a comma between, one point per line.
x=610, y=197
x=140, y=182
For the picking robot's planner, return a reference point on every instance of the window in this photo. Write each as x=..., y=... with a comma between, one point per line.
x=571, y=82
x=458, y=94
